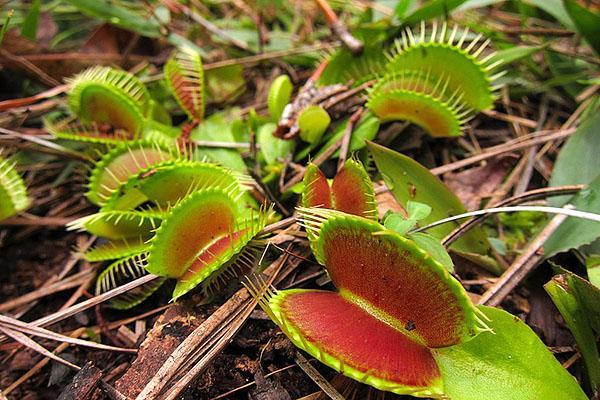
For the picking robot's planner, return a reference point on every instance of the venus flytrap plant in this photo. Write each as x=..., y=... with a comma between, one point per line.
x=167, y=183
x=433, y=80
x=138, y=206
x=124, y=160
x=380, y=334
x=13, y=193
x=107, y=106
x=351, y=190
x=201, y=235
x=185, y=79
x=401, y=323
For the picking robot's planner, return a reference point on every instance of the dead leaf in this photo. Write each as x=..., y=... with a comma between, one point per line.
x=473, y=185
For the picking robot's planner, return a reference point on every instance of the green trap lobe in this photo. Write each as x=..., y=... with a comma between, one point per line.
x=116, y=167
x=432, y=115
x=193, y=225
x=352, y=191
x=167, y=184
x=462, y=70
x=103, y=106
x=316, y=188
x=210, y=254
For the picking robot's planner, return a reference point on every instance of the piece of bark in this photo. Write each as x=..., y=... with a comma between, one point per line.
x=167, y=333
x=83, y=384
x=268, y=389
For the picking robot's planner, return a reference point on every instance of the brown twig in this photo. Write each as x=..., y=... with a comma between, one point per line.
x=345, y=145
x=212, y=28
x=84, y=305
x=339, y=29
x=317, y=378
x=523, y=197
x=522, y=266
x=514, y=145
x=29, y=67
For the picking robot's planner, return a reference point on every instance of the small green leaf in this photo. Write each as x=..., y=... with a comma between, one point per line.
x=280, y=93
x=579, y=303
x=313, y=122
x=410, y=181
x=272, y=148
x=509, y=363
x=556, y=9
x=434, y=248
x=397, y=223
x=417, y=211
x=217, y=128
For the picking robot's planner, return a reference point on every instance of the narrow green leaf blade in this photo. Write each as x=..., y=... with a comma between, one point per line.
x=118, y=16
x=586, y=22
x=578, y=160
x=433, y=9
x=573, y=297
x=576, y=232
x=30, y=23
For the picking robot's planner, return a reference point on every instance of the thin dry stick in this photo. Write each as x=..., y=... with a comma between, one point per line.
x=221, y=341
x=247, y=385
x=26, y=341
x=339, y=29
x=57, y=222
x=568, y=211
x=29, y=67
x=179, y=356
x=522, y=266
x=317, y=378
x=54, y=287
x=347, y=136
x=212, y=28
x=78, y=332
x=515, y=145
x=46, y=143
x=84, y=305
x=523, y=197
x=23, y=327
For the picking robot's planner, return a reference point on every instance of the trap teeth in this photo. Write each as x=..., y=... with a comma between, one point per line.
x=436, y=79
